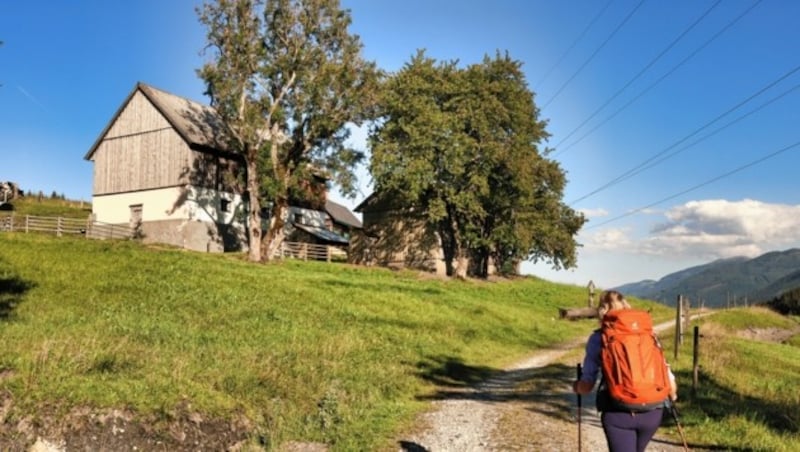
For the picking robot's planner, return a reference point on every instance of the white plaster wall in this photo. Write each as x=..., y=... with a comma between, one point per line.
x=172, y=203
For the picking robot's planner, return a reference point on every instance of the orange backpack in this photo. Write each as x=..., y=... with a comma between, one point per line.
x=634, y=367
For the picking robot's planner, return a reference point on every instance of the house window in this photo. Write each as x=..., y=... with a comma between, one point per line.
x=299, y=219
x=224, y=205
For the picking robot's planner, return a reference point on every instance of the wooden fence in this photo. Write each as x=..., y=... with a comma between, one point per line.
x=305, y=251
x=61, y=226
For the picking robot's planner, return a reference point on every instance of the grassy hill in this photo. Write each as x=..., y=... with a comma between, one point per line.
x=47, y=207
x=164, y=341
x=297, y=350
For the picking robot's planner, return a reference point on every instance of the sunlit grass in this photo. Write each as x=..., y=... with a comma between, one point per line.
x=325, y=352
x=747, y=397
x=306, y=350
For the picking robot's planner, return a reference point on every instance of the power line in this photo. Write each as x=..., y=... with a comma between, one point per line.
x=641, y=72
x=653, y=85
x=700, y=185
x=574, y=43
x=644, y=165
x=591, y=57
x=716, y=131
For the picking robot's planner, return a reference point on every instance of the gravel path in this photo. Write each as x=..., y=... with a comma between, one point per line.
x=526, y=407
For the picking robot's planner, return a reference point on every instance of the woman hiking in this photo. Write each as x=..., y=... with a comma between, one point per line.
x=630, y=415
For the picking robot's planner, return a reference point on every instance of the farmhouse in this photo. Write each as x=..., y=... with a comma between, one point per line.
x=395, y=237
x=398, y=237
x=162, y=167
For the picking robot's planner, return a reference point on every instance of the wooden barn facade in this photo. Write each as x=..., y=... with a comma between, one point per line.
x=399, y=237
x=159, y=166
x=396, y=237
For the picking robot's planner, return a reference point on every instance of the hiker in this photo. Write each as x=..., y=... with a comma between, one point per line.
x=627, y=427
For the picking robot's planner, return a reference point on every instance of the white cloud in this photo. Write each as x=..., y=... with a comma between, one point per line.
x=690, y=234
x=651, y=211
x=613, y=239
x=713, y=229
x=594, y=213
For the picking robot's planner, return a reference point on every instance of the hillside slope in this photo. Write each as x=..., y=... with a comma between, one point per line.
x=204, y=351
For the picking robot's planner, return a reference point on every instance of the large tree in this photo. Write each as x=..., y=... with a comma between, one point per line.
x=286, y=78
x=461, y=145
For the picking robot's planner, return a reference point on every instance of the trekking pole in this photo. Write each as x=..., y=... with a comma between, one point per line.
x=580, y=408
x=674, y=411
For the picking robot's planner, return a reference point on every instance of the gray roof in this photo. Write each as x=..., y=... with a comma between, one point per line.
x=341, y=214
x=322, y=233
x=199, y=125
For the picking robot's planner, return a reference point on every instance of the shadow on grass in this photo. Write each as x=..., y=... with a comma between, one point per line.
x=449, y=372
x=12, y=289
x=695, y=446
x=719, y=402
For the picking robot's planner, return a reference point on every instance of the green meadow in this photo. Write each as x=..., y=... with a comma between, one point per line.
x=313, y=351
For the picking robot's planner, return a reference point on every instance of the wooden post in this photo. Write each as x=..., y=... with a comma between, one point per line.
x=678, y=324
x=695, y=360
x=26, y=221
x=687, y=317
x=591, y=293
x=58, y=227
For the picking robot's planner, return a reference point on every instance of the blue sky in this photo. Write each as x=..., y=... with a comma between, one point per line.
x=676, y=122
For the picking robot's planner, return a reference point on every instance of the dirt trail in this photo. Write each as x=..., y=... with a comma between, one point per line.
x=526, y=407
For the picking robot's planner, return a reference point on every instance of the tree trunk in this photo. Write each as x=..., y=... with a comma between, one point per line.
x=577, y=313
x=282, y=173
x=254, y=215
x=448, y=247
x=479, y=263
x=462, y=262
x=274, y=237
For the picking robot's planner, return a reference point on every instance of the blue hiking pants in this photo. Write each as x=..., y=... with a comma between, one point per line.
x=630, y=432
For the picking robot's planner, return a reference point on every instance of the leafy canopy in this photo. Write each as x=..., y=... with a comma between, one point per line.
x=461, y=146
x=287, y=79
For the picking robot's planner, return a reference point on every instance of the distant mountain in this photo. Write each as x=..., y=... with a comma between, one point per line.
x=726, y=281
x=647, y=286
x=656, y=290
x=788, y=282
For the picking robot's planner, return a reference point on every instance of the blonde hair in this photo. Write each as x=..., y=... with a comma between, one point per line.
x=610, y=300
